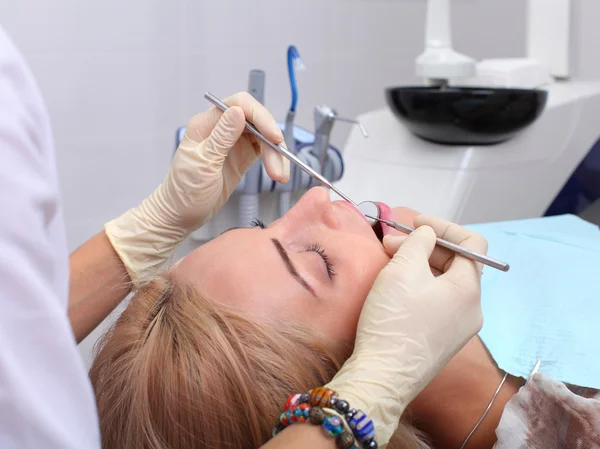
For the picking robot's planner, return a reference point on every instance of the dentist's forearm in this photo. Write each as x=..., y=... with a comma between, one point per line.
x=98, y=283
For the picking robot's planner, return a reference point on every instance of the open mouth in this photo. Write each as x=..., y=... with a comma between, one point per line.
x=376, y=210
x=378, y=230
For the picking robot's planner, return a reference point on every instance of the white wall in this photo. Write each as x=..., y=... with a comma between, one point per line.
x=120, y=76
x=586, y=30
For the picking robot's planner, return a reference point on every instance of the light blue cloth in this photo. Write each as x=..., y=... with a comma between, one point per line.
x=547, y=307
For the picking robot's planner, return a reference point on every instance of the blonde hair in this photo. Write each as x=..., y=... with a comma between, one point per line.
x=178, y=371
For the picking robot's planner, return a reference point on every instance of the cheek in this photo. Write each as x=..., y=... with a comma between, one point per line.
x=356, y=278
x=364, y=263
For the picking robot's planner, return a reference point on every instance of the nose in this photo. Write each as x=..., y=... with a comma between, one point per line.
x=314, y=206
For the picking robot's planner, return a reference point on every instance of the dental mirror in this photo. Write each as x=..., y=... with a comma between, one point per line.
x=369, y=209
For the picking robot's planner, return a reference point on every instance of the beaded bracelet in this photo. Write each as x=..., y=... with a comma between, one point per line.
x=299, y=408
x=332, y=425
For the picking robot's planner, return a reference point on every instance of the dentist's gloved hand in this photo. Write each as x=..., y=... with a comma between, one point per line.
x=412, y=322
x=208, y=165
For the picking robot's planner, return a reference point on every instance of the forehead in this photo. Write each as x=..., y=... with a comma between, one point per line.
x=242, y=269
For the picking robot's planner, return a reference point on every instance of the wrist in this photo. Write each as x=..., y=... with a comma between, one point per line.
x=376, y=398
x=351, y=427
x=143, y=245
x=369, y=381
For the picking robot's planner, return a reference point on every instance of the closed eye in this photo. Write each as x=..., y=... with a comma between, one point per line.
x=313, y=247
x=316, y=248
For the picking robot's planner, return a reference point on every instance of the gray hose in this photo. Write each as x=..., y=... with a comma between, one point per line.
x=249, y=209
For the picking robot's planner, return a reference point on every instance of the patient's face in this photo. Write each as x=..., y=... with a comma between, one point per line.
x=316, y=264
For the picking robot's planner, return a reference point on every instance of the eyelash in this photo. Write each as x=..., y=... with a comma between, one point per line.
x=316, y=248
x=256, y=223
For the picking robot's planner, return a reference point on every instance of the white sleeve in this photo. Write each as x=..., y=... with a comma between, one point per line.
x=46, y=400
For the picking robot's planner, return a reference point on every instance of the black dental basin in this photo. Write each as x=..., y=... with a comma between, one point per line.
x=464, y=115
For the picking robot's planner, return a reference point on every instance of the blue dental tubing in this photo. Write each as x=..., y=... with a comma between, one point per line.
x=294, y=62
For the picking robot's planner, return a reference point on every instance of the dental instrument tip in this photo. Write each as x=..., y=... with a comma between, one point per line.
x=361, y=127
x=535, y=369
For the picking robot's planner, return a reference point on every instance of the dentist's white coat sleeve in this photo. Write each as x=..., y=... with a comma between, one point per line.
x=46, y=400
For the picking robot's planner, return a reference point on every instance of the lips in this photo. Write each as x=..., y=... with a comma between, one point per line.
x=385, y=211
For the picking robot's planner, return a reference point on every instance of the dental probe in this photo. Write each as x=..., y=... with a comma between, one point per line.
x=282, y=150
x=494, y=263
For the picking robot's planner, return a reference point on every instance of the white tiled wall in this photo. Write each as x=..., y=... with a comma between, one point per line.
x=120, y=76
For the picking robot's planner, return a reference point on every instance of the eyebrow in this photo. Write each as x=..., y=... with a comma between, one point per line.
x=290, y=266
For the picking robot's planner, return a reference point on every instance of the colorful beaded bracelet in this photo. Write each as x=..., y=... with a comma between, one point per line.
x=362, y=427
x=332, y=425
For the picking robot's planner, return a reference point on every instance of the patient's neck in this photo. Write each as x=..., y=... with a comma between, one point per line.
x=448, y=409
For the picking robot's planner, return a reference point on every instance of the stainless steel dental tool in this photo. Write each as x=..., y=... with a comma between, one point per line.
x=282, y=150
x=372, y=211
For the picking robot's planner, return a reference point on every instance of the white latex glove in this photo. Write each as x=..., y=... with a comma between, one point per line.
x=412, y=322
x=208, y=165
